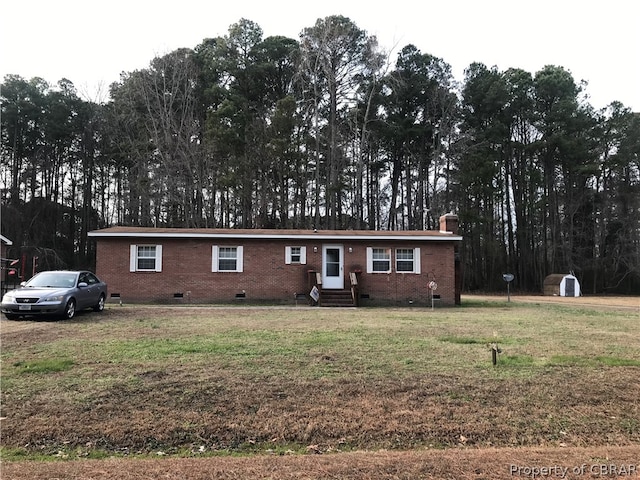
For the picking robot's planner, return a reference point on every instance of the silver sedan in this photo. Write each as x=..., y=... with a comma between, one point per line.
x=59, y=293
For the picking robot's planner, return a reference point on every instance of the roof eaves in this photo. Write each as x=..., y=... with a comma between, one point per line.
x=438, y=236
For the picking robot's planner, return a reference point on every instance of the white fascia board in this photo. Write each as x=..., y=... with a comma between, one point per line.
x=274, y=236
x=5, y=240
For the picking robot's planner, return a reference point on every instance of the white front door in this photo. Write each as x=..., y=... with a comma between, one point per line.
x=333, y=267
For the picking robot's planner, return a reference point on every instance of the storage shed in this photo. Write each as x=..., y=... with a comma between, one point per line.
x=4, y=265
x=562, y=285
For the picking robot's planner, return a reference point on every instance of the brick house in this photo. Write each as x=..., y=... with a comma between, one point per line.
x=355, y=267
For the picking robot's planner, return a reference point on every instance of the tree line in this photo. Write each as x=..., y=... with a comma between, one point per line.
x=329, y=132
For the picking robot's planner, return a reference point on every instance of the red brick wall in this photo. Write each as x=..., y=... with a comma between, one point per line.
x=186, y=269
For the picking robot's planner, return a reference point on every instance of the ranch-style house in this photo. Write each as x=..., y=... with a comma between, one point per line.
x=327, y=268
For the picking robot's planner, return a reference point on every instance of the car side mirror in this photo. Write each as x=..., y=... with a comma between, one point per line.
x=82, y=285
x=22, y=284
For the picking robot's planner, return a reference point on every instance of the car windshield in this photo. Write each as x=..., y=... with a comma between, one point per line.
x=53, y=279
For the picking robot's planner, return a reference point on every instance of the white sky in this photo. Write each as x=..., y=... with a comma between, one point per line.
x=90, y=43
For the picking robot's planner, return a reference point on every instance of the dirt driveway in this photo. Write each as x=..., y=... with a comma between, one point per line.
x=459, y=464
x=621, y=302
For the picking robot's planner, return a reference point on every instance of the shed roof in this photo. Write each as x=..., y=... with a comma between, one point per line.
x=555, y=278
x=151, y=232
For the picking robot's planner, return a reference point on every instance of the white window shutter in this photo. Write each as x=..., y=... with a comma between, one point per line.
x=214, y=258
x=287, y=255
x=416, y=260
x=158, y=258
x=239, y=259
x=303, y=255
x=369, y=260
x=133, y=258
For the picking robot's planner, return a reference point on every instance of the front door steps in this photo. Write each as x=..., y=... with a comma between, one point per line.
x=336, y=298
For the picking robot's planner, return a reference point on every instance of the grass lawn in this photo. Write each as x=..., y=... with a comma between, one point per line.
x=227, y=381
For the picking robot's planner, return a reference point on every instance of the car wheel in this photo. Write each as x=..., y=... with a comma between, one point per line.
x=98, y=307
x=70, y=310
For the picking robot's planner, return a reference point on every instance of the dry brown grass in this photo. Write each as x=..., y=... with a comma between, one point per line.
x=307, y=393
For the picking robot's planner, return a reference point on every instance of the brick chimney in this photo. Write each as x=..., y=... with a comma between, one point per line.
x=449, y=223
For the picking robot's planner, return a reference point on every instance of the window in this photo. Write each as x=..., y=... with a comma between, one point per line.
x=378, y=260
x=295, y=255
x=88, y=278
x=226, y=259
x=408, y=260
x=145, y=258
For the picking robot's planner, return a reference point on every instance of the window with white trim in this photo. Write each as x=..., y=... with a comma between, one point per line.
x=408, y=260
x=226, y=259
x=145, y=258
x=378, y=260
x=295, y=255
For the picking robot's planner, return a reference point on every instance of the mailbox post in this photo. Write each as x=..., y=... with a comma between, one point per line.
x=508, y=277
x=432, y=288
